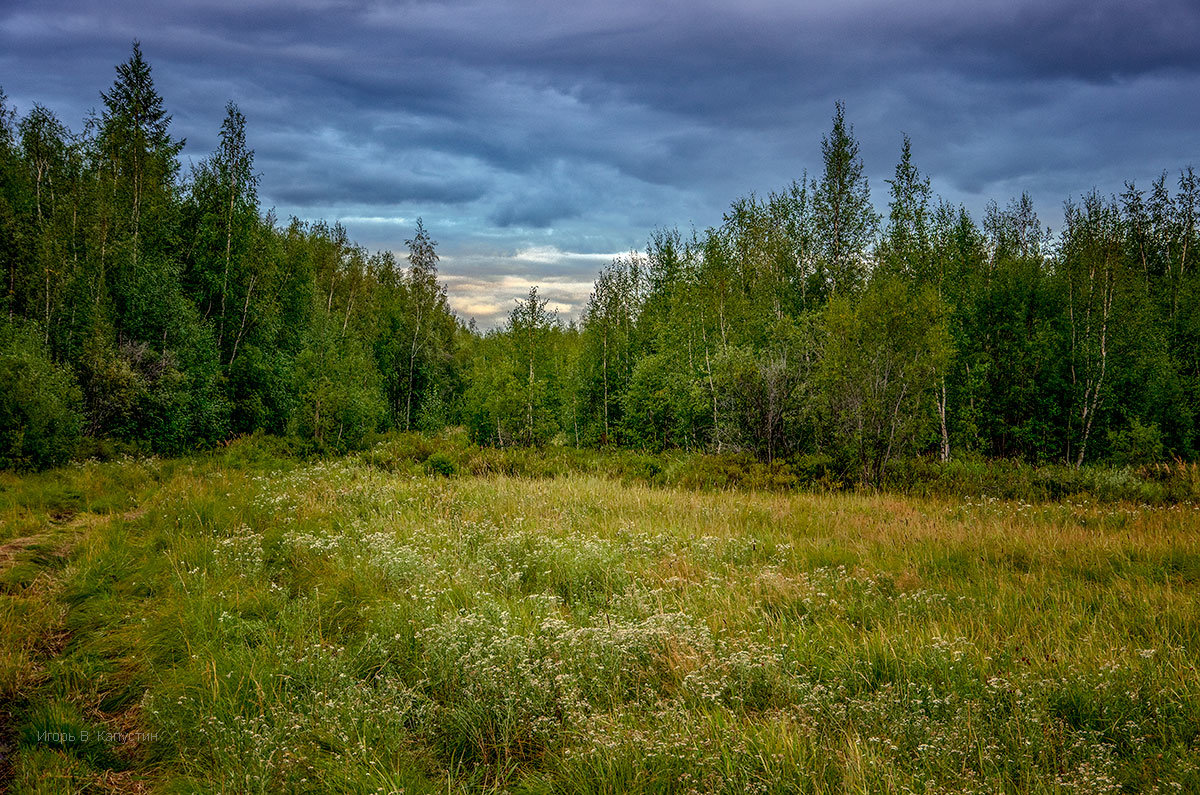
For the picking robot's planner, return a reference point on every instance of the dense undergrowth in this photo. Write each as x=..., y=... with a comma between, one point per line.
x=430, y=616
x=452, y=453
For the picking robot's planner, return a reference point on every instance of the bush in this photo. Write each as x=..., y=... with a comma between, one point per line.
x=1016, y=480
x=260, y=450
x=967, y=477
x=1136, y=444
x=440, y=464
x=40, y=403
x=816, y=470
x=105, y=449
x=400, y=451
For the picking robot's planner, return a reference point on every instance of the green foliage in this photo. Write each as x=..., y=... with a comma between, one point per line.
x=221, y=209
x=796, y=329
x=40, y=403
x=1136, y=445
x=651, y=409
x=339, y=403
x=608, y=338
x=973, y=478
x=440, y=464
x=518, y=379
x=415, y=337
x=965, y=477
x=259, y=391
x=907, y=248
x=844, y=215
x=881, y=358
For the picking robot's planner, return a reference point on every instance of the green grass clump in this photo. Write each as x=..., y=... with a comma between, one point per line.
x=429, y=616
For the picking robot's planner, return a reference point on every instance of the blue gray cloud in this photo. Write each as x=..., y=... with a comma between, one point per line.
x=571, y=129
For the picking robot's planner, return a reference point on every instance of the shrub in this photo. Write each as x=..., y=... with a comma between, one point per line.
x=440, y=464
x=1137, y=444
x=399, y=451
x=40, y=403
x=259, y=450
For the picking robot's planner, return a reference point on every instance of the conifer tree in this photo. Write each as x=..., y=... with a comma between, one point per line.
x=845, y=219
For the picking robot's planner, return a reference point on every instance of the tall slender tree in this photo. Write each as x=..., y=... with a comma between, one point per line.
x=530, y=324
x=138, y=152
x=905, y=248
x=845, y=219
x=1091, y=259
x=11, y=194
x=223, y=203
x=427, y=300
x=609, y=323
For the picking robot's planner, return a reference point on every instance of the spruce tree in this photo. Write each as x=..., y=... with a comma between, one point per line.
x=845, y=220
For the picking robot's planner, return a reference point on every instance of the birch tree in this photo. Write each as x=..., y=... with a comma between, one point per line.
x=1091, y=258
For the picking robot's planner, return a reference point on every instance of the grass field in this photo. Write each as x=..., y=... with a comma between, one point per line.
x=221, y=624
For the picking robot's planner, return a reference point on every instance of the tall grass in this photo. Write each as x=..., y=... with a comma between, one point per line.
x=246, y=623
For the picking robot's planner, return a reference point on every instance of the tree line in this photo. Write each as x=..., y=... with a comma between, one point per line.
x=165, y=309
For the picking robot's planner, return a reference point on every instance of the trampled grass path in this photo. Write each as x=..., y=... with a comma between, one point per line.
x=42, y=556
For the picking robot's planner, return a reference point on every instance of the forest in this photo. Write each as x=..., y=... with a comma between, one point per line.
x=150, y=308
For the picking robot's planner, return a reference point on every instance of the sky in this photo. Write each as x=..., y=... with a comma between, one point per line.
x=539, y=139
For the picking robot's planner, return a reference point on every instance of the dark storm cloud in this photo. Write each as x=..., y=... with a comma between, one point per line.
x=571, y=129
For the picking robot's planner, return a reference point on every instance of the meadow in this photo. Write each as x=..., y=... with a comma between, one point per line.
x=246, y=622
